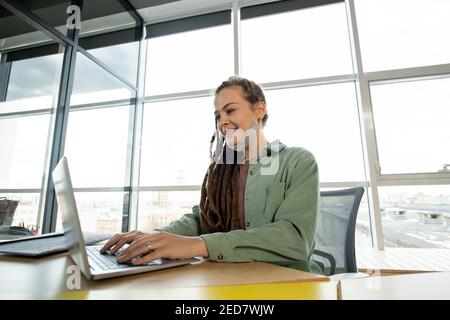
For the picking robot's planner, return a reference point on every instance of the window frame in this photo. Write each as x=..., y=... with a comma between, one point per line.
x=234, y=13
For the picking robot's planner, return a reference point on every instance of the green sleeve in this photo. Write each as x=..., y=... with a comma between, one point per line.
x=290, y=237
x=187, y=225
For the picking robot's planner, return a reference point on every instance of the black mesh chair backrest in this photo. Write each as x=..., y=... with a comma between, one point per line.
x=335, y=231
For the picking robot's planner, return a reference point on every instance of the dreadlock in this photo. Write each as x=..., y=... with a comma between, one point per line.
x=219, y=198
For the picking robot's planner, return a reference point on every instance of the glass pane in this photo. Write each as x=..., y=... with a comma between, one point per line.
x=416, y=216
x=33, y=84
x=30, y=74
x=403, y=33
x=25, y=215
x=363, y=233
x=122, y=58
x=23, y=145
x=96, y=146
x=198, y=60
x=411, y=122
x=175, y=150
x=93, y=84
x=160, y=208
x=295, y=45
x=324, y=120
x=98, y=211
x=29, y=69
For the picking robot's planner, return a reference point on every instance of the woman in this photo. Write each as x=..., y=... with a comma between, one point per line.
x=259, y=200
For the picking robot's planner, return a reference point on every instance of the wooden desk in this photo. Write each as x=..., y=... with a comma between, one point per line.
x=402, y=260
x=45, y=278
x=423, y=286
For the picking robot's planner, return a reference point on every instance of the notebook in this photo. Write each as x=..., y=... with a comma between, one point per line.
x=36, y=246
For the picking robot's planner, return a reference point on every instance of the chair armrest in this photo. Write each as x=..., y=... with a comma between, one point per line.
x=330, y=259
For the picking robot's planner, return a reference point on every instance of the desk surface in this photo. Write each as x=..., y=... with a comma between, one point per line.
x=45, y=278
x=402, y=260
x=423, y=286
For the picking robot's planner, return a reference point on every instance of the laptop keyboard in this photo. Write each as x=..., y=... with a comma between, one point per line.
x=108, y=260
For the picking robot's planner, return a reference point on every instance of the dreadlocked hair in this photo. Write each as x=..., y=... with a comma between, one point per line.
x=219, y=199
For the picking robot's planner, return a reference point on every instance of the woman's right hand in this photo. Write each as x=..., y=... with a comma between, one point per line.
x=120, y=239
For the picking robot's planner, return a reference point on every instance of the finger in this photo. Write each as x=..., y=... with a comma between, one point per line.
x=140, y=250
x=125, y=239
x=111, y=242
x=154, y=255
x=145, y=239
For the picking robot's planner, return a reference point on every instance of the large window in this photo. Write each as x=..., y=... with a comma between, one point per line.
x=160, y=208
x=26, y=126
x=188, y=61
x=96, y=146
x=412, y=125
x=92, y=84
x=324, y=120
x=39, y=89
x=300, y=44
x=23, y=138
x=175, y=142
x=403, y=33
x=122, y=58
x=99, y=211
x=416, y=216
x=96, y=149
x=144, y=159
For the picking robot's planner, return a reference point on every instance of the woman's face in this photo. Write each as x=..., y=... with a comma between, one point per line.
x=233, y=112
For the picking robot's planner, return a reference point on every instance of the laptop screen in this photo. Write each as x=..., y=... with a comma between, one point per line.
x=68, y=209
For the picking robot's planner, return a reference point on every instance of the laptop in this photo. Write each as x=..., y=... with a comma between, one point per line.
x=91, y=262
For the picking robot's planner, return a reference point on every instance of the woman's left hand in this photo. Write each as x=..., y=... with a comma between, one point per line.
x=159, y=244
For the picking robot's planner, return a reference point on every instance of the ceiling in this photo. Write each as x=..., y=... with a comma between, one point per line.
x=99, y=16
x=53, y=12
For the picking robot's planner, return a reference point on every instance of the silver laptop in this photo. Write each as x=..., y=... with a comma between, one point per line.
x=92, y=263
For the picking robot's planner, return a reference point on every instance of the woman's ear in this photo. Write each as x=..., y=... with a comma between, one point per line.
x=261, y=110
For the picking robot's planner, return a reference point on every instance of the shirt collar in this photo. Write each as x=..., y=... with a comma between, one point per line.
x=274, y=146
x=269, y=150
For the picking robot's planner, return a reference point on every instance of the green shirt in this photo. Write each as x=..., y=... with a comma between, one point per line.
x=281, y=207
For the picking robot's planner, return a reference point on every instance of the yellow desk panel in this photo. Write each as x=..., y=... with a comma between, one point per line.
x=275, y=291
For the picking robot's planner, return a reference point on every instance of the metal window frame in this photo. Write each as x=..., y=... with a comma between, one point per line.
x=40, y=25
x=254, y=11
x=367, y=129
x=236, y=25
x=373, y=170
x=32, y=51
x=362, y=81
x=50, y=208
x=70, y=43
x=5, y=71
x=185, y=24
x=400, y=76
x=132, y=169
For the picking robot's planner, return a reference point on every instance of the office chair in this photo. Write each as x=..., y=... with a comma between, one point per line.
x=335, y=233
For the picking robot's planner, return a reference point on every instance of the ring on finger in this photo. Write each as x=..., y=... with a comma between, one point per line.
x=149, y=246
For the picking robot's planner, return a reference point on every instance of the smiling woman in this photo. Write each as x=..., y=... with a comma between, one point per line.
x=259, y=199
